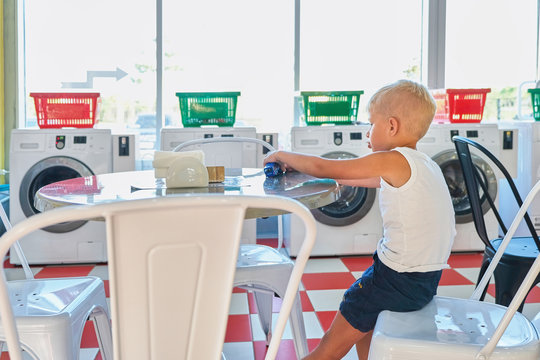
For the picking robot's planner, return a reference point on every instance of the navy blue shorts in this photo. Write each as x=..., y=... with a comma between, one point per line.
x=381, y=288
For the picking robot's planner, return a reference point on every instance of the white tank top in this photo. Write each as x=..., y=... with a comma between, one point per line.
x=418, y=218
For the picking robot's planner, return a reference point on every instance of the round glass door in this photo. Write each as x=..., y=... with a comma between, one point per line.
x=45, y=172
x=451, y=169
x=351, y=206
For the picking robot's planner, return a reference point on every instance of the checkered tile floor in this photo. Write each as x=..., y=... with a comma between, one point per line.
x=323, y=284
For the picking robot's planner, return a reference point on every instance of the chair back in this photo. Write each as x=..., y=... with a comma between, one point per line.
x=16, y=246
x=477, y=189
x=222, y=140
x=171, y=269
x=239, y=139
x=525, y=286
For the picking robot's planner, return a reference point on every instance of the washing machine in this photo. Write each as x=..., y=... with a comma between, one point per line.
x=438, y=144
x=229, y=154
x=352, y=224
x=40, y=157
x=528, y=174
x=124, y=152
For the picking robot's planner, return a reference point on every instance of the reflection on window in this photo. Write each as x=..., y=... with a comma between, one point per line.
x=492, y=49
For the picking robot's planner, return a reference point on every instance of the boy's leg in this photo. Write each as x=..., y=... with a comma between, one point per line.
x=337, y=341
x=362, y=347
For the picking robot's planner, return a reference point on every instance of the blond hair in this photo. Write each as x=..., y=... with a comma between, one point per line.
x=409, y=102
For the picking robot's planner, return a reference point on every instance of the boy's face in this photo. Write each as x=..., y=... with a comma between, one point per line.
x=377, y=134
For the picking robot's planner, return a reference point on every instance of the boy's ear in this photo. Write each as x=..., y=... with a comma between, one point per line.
x=393, y=125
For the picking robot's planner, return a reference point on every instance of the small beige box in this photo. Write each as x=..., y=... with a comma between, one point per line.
x=216, y=174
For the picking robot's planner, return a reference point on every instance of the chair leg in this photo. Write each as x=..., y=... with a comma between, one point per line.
x=264, y=301
x=298, y=329
x=102, y=327
x=507, y=282
x=483, y=268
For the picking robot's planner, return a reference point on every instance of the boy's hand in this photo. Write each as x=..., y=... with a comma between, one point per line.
x=273, y=156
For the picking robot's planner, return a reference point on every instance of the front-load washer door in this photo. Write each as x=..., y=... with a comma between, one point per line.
x=451, y=169
x=353, y=203
x=45, y=172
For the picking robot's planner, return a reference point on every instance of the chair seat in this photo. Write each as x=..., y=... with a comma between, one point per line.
x=266, y=271
x=438, y=334
x=51, y=314
x=49, y=296
x=519, y=248
x=260, y=255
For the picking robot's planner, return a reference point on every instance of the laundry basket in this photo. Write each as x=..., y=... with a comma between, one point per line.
x=535, y=103
x=460, y=105
x=331, y=107
x=208, y=108
x=57, y=110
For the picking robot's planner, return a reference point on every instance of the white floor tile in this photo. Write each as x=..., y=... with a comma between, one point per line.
x=88, y=354
x=238, y=351
x=530, y=310
x=472, y=274
x=459, y=291
x=325, y=300
x=325, y=266
x=313, y=327
x=258, y=334
x=18, y=273
x=101, y=271
x=239, y=304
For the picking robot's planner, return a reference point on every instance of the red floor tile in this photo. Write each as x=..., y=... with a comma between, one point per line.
x=313, y=343
x=327, y=281
x=89, y=338
x=306, y=303
x=326, y=318
x=286, y=350
x=268, y=242
x=238, y=328
x=357, y=263
x=533, y=296
x=472, y=260
x=64, y=271
x=452, y=277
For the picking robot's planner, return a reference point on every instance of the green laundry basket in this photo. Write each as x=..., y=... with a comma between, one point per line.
x=331, y=107
x=535, y=102
x=208, y=108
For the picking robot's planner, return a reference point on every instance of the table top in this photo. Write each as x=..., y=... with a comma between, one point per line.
x=132, y=185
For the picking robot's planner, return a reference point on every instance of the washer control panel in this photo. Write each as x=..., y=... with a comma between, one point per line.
x=60, y=142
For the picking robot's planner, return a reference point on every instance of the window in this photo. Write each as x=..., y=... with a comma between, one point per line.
x=99, y=46
x=492, y=49
x=236, y=45
x=359, y=45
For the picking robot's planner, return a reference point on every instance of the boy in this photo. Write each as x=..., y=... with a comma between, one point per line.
x=417, y=212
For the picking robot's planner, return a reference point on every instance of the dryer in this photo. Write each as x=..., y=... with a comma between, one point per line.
x=438, y=144
x=40, y=157
x=230, y=154
x=528, y=174
x=352, y=224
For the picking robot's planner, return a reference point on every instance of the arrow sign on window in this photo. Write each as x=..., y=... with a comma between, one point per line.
x=90, y=75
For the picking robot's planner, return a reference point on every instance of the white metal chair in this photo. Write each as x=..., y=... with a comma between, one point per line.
x=450, y=328
x=264, y=270
x=51, y=313
x=159, y=312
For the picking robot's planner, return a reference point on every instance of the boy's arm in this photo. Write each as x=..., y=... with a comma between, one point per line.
x=374, y=182
x=389, y=165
